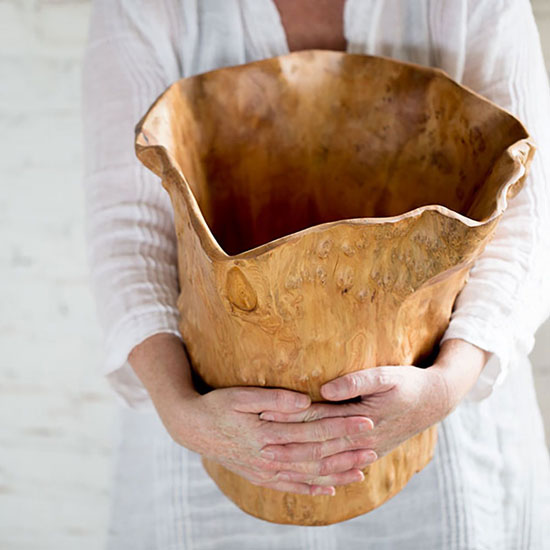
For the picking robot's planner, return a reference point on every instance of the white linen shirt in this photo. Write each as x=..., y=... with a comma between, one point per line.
x=137, y=48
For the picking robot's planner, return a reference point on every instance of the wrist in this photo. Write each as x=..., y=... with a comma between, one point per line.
x=459, y=364
x=162, y=365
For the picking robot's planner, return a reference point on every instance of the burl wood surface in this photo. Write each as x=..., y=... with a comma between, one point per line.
x=328, y=207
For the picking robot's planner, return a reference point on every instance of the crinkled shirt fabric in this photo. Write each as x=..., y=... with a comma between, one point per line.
x=487, y=486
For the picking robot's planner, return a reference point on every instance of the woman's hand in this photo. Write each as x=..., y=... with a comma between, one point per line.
x=400, y=400
x=224, y=425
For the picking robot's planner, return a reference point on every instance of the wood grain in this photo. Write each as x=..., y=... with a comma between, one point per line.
x=328, y=207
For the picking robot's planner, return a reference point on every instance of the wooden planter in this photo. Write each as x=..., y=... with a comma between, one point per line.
x=328, y=208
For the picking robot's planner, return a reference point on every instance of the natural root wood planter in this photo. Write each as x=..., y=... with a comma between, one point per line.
x=328, y=208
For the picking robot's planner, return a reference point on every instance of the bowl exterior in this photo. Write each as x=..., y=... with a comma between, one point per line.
x=321, y=302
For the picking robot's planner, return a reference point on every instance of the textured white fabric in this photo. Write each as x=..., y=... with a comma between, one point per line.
x=136, y=49
x=488, y=487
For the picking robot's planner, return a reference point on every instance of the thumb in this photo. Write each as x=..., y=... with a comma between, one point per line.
x=357, y=384
x=257, y=400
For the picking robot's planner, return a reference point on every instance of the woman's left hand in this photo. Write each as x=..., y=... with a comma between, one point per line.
x=401, y=401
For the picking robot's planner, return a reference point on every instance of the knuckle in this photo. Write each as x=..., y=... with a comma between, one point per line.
x=300, y=467
x=284, y=453
x=280, y=400
x=345, y=427
x=360, y=442
x=311, y=468
x=268, y=434
x=263, y=436
x=370, y=443
x=269, y=466
x=325, y=467
x=352, y=383
x=318, y=432
x=350, y=427
x=351, y=458
x=308, y=479
x=311, y=414
x=343, y=462
x=275, y=437
x=349, y=442
x=317, y=452
x=265, y=477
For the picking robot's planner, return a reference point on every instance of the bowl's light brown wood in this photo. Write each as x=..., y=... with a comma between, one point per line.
x=328, y=208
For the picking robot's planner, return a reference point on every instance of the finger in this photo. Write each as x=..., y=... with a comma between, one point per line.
x=315, y=412
x=347, y=460
x=341, y=462
x=333, y=480
x=318, y=430
x=257, y=400
x=356, y=384
x=300, y=488
x=271, y=480
x=307, y=452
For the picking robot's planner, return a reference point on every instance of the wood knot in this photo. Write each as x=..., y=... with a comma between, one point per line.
x=239, y=290
x=293, y=281
x=344, y=279
x=347, y=249
x=323, y=249
x=321, y=275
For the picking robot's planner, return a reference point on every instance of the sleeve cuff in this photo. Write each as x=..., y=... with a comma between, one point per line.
x=130, y=332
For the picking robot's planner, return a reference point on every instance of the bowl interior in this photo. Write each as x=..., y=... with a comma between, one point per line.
x=276, y=146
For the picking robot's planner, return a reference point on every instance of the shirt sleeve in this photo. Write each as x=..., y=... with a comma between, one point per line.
x=130, y=235
x=507, y=296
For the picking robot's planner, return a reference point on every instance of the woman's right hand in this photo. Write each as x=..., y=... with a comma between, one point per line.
x=224, y=425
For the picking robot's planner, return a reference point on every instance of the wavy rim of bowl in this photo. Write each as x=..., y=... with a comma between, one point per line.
x=520, y=152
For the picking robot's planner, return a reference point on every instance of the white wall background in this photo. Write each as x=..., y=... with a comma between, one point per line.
x=56, y=412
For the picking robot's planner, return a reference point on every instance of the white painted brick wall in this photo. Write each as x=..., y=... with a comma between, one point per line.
x=55, y=409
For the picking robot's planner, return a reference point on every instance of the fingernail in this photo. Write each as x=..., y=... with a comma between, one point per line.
x=361, y=476
x=370, y=457
x=363, y=427
x=266, y=416
x=268, y=455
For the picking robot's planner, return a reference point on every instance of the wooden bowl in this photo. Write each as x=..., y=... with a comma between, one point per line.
x=328, y=207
